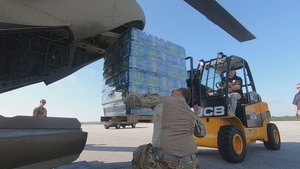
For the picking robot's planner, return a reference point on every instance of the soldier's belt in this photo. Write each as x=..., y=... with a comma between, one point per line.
x=171, y=157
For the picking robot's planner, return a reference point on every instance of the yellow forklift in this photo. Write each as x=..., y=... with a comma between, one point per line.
x=230, y=133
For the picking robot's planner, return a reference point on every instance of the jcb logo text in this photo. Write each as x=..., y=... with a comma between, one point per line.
x=212, y=111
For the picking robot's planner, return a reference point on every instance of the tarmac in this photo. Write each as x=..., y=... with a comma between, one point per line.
x=112, y=149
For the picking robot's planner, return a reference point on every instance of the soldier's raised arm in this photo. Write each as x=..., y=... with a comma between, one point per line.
x=147, y=100
x=200, y=129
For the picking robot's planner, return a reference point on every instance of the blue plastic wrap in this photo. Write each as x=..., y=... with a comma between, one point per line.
x=140, y=63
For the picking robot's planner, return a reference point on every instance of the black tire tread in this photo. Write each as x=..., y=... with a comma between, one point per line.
x=271, y=143
x=225, y=145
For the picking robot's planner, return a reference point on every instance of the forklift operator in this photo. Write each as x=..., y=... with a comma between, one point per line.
x=234, y=91
x=235, y=82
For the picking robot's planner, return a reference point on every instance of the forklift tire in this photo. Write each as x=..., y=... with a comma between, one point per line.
x=232, y=144
x=274, y=141
x=118, y=125
x=133, y=125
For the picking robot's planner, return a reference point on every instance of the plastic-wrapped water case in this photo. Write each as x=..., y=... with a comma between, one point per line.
x=138, y=62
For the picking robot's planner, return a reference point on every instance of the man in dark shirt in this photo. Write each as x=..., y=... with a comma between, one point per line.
x=296, y=101
x=235, y=91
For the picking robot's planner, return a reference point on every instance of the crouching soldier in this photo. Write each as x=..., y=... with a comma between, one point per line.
x=173, y=145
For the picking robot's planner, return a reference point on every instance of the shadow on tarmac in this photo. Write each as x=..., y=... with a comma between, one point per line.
x=126, y=128
x=117, y=165
x=257, y=157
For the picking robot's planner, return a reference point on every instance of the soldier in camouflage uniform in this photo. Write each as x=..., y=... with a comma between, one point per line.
x=173, y=146
x=40, y=111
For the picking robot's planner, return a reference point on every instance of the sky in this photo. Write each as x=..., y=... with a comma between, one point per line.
x=273, y=57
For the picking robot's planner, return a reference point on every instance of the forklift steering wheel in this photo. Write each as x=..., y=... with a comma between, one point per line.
x=219, y=84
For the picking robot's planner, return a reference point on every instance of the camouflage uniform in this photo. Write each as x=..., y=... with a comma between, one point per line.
x=40, y=112
x=145, y=158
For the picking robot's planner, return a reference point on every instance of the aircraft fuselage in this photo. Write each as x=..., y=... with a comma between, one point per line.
x=49, y=40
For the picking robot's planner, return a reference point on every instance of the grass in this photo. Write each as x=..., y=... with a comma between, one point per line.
x=285, y=118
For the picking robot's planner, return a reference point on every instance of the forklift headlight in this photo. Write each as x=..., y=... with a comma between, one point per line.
x=201, y=63
x=220, y=55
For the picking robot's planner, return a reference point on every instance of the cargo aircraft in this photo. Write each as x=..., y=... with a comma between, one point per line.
x=45, y=41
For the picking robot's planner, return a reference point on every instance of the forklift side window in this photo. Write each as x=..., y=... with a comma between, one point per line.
x=209, y=79
x=253, y=97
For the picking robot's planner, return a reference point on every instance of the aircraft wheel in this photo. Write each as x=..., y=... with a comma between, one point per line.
x=274, y=141
x=232, y=144
x=118, y=125
x=106, y=126
x=133, y=125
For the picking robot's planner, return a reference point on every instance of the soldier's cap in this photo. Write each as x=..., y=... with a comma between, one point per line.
x=43, y=101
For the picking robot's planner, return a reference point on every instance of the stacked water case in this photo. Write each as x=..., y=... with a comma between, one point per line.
x=140, y=63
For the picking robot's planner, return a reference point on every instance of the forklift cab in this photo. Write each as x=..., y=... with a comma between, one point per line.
x=205, y=82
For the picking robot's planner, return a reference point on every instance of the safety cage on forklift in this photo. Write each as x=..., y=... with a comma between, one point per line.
x=205, y=80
